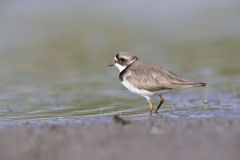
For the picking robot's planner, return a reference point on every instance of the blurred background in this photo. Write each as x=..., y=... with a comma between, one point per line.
x=53, y=55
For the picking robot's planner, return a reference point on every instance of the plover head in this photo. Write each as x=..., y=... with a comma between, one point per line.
x=122, y=60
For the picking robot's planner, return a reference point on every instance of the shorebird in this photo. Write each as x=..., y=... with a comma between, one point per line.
x=148, y=80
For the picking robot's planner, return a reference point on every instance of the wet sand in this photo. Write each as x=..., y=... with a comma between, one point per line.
x=141, y=139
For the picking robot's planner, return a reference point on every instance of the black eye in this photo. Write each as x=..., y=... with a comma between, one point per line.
x=121, y=59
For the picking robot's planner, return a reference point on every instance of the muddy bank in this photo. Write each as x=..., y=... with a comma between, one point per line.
x=149, y=138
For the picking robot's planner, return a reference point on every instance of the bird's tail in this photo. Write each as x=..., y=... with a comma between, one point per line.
x=199, y=84
x=190, y=84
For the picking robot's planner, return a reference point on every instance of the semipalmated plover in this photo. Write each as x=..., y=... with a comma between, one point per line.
x=147, y=79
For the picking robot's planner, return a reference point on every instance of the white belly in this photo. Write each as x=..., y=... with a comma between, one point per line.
x=140, y=92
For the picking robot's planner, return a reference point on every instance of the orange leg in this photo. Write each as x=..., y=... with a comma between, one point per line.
x=161, y=102
x=150, y=106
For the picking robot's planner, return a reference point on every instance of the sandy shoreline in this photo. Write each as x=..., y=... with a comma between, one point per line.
x=149, y=138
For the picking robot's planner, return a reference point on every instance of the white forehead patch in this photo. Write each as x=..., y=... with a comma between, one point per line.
x=119, y=67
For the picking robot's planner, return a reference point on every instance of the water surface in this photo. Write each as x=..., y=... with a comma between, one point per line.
x=53, y=57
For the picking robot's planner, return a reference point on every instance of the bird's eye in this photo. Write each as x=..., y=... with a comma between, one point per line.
x=121, y=59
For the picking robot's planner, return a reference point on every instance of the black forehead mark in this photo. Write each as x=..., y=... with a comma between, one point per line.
x=117, y=56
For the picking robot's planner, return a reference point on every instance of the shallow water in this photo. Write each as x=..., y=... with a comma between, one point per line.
x=53, y=57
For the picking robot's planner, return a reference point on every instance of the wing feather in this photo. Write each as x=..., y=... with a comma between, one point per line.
x=154, y=77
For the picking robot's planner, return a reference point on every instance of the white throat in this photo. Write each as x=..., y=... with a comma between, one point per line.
x=119, y=67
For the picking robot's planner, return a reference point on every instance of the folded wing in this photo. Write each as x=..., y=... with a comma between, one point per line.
x=154, y=77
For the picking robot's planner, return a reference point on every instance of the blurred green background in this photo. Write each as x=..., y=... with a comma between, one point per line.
x=53, y=55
